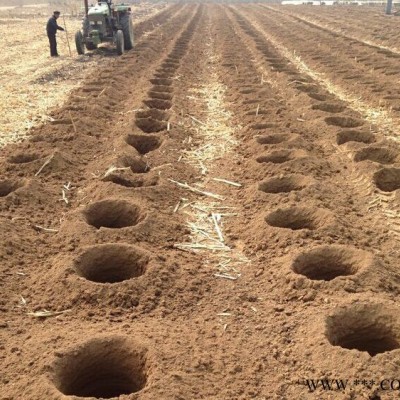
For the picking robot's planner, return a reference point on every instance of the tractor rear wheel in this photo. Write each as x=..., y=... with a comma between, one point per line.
x=127, y=28
x=80, y=48
x=120, y=42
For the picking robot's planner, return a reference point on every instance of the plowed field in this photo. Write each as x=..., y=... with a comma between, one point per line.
x=213, y=215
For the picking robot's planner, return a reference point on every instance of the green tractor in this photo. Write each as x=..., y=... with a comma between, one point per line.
x=105, y=22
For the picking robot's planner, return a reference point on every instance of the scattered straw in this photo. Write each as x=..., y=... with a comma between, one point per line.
x=195, y=190
x=73, y=122
x=196, y=120
x=45, y=164
x=113, y=169
x=227, y=182
x=230, y=277
x=101, y=93
x=47, y=313
x=41, y=228
x=216, y=218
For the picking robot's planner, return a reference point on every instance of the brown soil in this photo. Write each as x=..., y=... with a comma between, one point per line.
x=209, y=217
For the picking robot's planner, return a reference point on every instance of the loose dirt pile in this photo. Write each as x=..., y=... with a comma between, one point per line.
x=209, y=217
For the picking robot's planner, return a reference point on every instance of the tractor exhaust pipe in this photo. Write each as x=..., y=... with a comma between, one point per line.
x=86, y=7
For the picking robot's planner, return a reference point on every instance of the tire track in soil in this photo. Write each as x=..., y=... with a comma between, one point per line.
x=335, y=32
x=304, y=324
x=346, y=63
x=371, y=24
x=385, y=202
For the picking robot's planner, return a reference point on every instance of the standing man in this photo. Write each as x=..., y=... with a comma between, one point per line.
x=52, y=28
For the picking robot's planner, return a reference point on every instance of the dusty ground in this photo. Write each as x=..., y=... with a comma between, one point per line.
x=215, y=216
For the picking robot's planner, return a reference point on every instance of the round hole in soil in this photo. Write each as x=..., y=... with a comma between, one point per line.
x=387, y=179
x=163, y=75
x=160, y=95
x=306, y=88
x=296, y=218
x=273, y=138
x=158, y=115
x=103, y=368
x=263, y=126
x=364, y=327
x=329, y=107
x=344, y=122
x=284, y=184
x=161, y=81
x=150, y=125
x=247, y=91
x=392, y=97
x=325, y=263
x=167, y=73
x=354, y=136
x=159, y=104
x=143, y=143
x=7, y=186
x=318, y=96
x=120, y=180
x=278, y=157
x=137, y=165
x=23, y=158
x=162, y=89
x=172, y=65
x=380, y=155
x=111, y=263
x=113, y=214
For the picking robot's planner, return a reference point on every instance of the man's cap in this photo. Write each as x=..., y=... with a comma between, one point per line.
x=56, y=12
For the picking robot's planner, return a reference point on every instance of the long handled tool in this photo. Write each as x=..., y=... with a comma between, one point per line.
x=66, y=33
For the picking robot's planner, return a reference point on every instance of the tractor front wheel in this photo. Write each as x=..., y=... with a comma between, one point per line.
x=120, y=42
x=80, y=48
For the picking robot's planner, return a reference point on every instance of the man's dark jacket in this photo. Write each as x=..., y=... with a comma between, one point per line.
x=52, y=26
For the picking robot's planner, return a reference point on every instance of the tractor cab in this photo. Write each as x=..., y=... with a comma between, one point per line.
x=99, y=22
x=101, y=8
